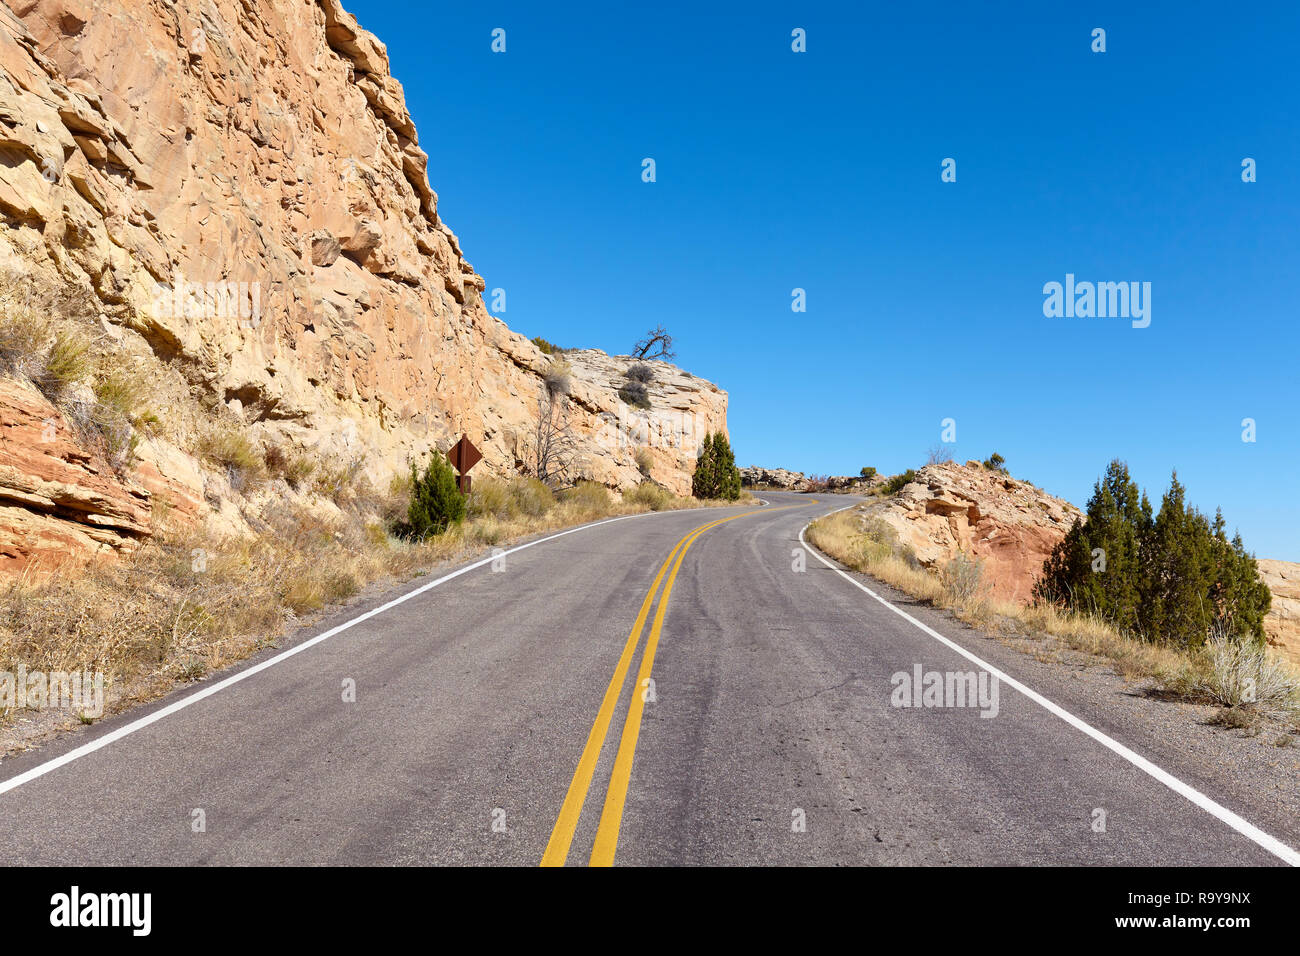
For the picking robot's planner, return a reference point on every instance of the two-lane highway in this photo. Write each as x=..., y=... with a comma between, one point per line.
x=685, y=687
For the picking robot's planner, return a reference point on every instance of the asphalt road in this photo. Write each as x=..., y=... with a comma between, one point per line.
x=767, y=737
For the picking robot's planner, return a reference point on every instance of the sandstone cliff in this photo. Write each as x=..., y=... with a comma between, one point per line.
x=1282, y=625
x=238, y=186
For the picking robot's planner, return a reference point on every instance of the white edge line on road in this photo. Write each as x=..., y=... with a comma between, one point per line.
x=41, y=769
x=1247, y=829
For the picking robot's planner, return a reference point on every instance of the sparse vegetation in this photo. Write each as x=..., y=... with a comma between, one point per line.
x=340, y=479
x=892, y=486
x=652, y=496
x=938, y=455
x=644, y=461
x=641, y=372
x=548, y=348
x=635, y=394
x=230, y=449
x=963, y=581
x=558, y=377
x=587, y=498
x=508, y=500
x=67, y=363
x=555, y=445
x=1236, y=675
x=868, y=473
x=295, y=467
x=99, y=397
x=996, y=462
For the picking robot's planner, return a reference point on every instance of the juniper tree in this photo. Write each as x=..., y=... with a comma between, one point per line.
x=436, y=502
x=1174, y=577
x=716, y=475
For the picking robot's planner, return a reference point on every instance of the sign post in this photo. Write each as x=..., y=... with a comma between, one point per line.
x=463, y=456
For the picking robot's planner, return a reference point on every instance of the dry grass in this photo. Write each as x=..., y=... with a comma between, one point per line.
x=653, y=496
x=506, y=500
x=558, y=376
x=293, y=466
x=228, y=448
x=49, y=340
x=1243, y=679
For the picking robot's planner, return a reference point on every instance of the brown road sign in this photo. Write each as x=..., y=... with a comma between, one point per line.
x=463, y=455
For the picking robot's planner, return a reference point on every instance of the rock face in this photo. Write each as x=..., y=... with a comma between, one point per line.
x=1282, y=624
x=1010, y=525
x=239, y=184
x=683, y=410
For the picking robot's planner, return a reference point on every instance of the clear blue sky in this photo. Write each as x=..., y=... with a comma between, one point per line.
x=821, y=170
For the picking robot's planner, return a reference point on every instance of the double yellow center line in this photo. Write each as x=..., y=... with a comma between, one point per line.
x=611, y=817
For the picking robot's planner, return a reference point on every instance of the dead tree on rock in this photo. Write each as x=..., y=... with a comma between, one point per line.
x=657, y=344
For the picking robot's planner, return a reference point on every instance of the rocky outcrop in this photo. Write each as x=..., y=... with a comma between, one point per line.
x=853, y=484
x=239, y=184
x=779, y=478
x=752, y=476
x=1010, y=525
x=683, y=410
x=1282, y=623
x=57, y=501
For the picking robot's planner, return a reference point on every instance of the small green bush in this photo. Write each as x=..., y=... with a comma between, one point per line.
x=868, y=472
x=548, y=348
x=895, y=484
x=996, y=462
x=436, y=502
